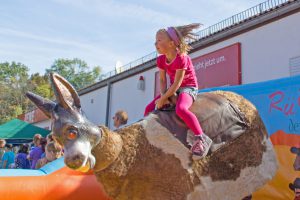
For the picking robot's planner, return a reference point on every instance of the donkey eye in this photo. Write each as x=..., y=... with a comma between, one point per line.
x=72, y=134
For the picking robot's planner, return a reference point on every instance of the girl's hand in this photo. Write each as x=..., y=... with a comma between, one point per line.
x=44, y=161
x=161, y=102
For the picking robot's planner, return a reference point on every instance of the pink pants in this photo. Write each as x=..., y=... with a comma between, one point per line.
x=184, y=102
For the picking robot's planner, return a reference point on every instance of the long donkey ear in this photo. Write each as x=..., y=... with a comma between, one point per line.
x=65, y=93
x=44, y=104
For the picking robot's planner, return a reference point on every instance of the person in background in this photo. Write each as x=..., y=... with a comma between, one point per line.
x=2, y=150
x=15, y=149
x=43, y=142
x=8, y=157
x=36, y=152
x=53, y=152
x=50, y=138
x=120, y=119
x=21, y=161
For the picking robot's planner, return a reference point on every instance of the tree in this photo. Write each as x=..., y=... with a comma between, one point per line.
x=15, y=82
x=13, y=85
x=76, y=71
x=40, y=85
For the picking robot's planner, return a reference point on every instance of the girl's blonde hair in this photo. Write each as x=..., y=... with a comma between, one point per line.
x=186, y=32
x=55, y=148
x=183, y=33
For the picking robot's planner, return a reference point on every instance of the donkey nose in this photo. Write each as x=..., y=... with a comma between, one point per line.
x=74, y=162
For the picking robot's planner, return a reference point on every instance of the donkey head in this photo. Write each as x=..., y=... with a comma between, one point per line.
x=69, y=125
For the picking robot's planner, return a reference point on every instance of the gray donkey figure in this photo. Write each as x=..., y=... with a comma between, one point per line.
x=150, y=159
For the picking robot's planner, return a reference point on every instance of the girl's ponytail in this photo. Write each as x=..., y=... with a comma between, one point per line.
x=186, y=32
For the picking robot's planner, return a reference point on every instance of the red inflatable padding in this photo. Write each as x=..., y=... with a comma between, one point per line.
x=64, y=184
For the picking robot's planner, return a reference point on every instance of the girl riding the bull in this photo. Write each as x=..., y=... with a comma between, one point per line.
x=174, y=62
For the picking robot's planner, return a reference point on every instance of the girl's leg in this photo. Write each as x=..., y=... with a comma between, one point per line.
x=151, y=106
x=184, y=102
x=202, y=142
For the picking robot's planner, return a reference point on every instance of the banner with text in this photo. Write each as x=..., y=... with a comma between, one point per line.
x=219, y=68
x=278, y=102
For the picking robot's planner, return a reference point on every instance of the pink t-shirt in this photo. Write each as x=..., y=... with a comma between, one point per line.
x=180, y=62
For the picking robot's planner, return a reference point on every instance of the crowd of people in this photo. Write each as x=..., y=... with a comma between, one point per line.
x=31, y=155
x=41, y=150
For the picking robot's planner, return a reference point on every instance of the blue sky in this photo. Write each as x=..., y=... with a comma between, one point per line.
x=100, y=32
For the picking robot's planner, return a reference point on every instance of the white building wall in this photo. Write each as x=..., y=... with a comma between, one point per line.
x=266, y=50
x=46, y=124
x=126, y=96
x=94, y=105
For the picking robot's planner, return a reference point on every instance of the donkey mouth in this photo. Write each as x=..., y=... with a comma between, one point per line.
x=89, y=164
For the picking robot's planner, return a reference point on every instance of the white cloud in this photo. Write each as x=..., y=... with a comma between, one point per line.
x=58, y=41
x=119, y=9
x=99, y=31
x=49, y=49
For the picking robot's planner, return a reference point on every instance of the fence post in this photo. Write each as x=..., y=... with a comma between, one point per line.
x=260, y=8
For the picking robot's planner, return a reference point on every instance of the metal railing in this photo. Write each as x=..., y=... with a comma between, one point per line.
x=234, y=20
x=248, y=14
x=130, y=65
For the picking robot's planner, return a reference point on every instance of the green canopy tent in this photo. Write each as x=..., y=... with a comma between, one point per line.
x=18, y=131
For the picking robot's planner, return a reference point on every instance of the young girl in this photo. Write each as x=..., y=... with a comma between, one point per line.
x=175, y=62
x=21, y=161
x=36, y=151
x=53, y=151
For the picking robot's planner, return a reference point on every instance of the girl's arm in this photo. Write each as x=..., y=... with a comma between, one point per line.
x=162, y=81
x=38, y=164
x=171, y=91
x=30, y=155
x=4, y=164
x=175, y=86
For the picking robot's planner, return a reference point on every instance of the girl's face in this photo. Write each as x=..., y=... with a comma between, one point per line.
x=50, y=155
x=163, y=43
x=116, y=121
x=37, y=143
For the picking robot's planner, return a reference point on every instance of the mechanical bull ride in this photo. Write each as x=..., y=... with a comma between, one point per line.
x=150, y=159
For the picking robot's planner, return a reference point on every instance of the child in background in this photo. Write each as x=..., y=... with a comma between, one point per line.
x=21, y=161
x=53, y=152
x=36, y=151
x=2, y=150
x=120, y=119
x=8, y=157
